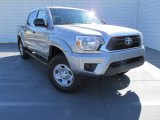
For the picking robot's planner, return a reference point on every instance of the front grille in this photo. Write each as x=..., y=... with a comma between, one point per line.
x=118, y=43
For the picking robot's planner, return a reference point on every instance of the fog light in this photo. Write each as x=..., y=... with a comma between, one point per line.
x=90, y=67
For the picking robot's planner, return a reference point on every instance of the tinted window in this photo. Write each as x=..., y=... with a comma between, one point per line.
x=31, y=18
x=69, y=16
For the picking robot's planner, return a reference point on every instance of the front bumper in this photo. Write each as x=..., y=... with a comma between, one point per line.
x=124, y=66
x=104, y=60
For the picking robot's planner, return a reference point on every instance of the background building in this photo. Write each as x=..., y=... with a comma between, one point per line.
x=143, y=15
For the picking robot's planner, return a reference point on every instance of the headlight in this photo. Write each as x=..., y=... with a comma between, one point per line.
x=90, y=43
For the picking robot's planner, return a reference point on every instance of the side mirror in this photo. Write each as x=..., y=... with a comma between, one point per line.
x=103, y=21
x=40, y=22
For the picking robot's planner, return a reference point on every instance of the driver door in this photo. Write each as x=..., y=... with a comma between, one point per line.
x=41, y=35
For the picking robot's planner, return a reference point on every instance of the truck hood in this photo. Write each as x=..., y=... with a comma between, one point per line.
x=95, y=29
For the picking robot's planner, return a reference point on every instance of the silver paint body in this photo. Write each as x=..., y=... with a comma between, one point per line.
x=64, y=38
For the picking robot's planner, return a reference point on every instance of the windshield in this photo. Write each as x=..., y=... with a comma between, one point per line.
x=70, y=16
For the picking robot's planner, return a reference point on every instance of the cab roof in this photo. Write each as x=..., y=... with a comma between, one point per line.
x=57, y=7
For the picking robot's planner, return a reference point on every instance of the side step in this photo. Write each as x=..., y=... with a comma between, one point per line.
x=37, y=57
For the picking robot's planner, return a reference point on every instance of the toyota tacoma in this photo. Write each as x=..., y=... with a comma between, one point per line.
x=74, y=43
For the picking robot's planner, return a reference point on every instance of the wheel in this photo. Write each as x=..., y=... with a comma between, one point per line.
x=62, y=76
x=23, y=54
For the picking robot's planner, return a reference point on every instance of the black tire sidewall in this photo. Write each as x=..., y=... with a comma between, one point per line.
x=60, y=59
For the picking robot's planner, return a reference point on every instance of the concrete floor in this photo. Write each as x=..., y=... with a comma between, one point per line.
x=27, y=94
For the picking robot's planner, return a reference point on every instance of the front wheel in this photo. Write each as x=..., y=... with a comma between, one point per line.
x=62, y=76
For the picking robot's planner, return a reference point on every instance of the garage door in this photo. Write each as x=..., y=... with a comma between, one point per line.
x=149, y=22
x=13, y=13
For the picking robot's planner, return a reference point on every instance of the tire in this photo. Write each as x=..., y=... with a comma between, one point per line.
x=21, y=48
x=61, y=75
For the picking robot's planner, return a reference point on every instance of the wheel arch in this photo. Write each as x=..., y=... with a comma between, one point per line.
x=58, y=46
x=54, y=51
x=19, y=38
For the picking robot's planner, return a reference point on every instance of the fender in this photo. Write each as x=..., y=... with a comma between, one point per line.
x=59, y=43
x=21, y=35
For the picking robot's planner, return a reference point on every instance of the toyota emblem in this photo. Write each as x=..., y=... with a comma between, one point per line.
x=128, y=41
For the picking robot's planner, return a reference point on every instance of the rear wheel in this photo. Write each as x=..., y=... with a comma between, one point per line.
x=62, y=76
x=23, y=54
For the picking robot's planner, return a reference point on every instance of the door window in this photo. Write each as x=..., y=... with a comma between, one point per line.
x=31, y=18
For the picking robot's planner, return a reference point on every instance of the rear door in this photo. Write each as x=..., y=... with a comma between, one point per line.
x=30, y=30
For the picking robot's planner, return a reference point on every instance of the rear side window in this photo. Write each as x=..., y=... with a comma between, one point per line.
x=31, y=18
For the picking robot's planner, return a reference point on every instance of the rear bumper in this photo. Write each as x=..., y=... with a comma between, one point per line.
x=106, y=61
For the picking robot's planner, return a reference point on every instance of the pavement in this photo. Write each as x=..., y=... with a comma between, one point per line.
x=27, y=94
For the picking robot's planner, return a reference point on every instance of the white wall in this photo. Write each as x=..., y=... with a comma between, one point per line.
x=14, y=12
x=149, y=22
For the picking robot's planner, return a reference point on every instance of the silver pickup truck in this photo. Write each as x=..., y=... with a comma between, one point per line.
x=75, y=43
